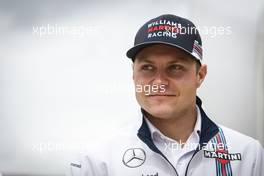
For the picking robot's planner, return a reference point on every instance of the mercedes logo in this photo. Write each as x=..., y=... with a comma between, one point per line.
x=134, y=157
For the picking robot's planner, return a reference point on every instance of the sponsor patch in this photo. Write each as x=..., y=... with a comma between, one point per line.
x=76, y=165
x=134, y=157
x=163, y=28
x=222, y=156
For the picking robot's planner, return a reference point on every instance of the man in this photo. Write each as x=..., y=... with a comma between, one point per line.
x=176, y=137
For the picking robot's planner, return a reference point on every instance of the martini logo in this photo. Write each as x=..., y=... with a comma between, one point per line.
x=222, y=156
x=163, y=28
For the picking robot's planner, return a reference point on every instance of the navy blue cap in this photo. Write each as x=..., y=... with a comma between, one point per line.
x=170, y=30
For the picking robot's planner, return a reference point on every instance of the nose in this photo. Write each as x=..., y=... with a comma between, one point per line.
x=160, y=79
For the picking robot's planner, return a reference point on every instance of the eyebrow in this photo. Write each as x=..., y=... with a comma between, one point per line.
x=143, y=59
x=170, y=62
x=173, y=62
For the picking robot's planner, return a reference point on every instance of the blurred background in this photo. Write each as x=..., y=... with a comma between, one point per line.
x=65, y=81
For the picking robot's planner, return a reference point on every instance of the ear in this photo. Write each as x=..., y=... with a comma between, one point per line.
x=201, y=74
x=132, y=66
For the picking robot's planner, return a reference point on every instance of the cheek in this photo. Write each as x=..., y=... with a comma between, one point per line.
x=139, y=80
x=186, y=85
x=140, y=88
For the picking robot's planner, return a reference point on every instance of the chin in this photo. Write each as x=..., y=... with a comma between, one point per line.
x=160, y=111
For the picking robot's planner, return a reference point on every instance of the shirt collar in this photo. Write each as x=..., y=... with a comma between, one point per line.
x=196, y=131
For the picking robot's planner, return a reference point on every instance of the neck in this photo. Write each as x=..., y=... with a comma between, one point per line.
x=178, y=127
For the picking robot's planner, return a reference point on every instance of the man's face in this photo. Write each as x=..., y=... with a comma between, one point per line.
x=172, y=77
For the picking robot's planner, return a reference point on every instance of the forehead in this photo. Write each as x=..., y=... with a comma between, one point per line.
x=155, y=52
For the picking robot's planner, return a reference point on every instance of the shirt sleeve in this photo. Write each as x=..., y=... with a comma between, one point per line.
x=87, y=166
x=259, y=162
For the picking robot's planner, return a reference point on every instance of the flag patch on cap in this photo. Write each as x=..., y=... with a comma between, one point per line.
x=197, y=50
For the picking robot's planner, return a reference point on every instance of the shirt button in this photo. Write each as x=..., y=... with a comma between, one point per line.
x=155, y=136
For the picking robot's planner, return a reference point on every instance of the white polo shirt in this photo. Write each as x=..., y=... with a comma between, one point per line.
x=171, y=148
x=138, y=152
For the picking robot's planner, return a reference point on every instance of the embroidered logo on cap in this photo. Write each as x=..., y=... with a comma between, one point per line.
x=163, y=28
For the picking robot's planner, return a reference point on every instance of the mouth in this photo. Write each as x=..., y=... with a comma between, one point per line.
x=161, y=95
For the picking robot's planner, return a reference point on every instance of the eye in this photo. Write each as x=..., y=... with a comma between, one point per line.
x=147, y=67
x=175, y=67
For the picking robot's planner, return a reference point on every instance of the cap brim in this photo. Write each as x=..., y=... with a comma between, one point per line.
x=132, y=52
